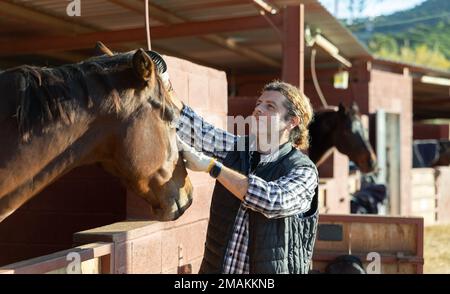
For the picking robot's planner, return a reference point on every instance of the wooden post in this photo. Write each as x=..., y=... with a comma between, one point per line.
x=294, y=46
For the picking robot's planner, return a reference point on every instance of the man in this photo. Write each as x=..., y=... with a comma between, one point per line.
x=263, y=216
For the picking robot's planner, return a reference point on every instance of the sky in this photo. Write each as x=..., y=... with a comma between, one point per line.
x=373, y=7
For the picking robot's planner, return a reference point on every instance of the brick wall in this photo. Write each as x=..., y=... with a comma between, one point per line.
x=83, y=199
x=393, y=93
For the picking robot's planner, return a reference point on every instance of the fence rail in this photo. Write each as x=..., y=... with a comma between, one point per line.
x=92, y=258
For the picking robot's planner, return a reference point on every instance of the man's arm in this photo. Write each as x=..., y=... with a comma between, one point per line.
x=203, y=136
x=235, y=182
x=288, y=195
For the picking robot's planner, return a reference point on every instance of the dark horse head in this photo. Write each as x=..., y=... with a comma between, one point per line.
x=342, y=129
x=112, y=110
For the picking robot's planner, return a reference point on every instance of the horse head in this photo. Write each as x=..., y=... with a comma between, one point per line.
x=111, y=109
x=343, y=129
x=145, y=150
x=351, y=140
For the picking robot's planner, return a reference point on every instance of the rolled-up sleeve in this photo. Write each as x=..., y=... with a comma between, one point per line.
x=203, y=136
x=289, y=195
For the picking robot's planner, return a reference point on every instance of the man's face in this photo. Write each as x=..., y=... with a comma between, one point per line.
x=270, y=114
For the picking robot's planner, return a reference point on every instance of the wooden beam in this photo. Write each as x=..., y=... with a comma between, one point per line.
x=167, y=17
x=431, y=101
x=189, y=6
x=86, y=40
x=36, y=16
x=64, y=24
x=293, y=46
x=200, y=28
x=240, y=50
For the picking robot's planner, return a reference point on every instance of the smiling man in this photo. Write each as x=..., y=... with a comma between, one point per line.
x=263, y=216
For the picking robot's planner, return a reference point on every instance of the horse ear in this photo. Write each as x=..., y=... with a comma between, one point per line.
x=143, y=65
x=101, y=49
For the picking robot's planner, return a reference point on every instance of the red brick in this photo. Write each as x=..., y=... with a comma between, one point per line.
x=393, y=92
x=218, y=95
x=179, y=80
x=198, y=91
x=146, y=254
x=335, y=171
x=193, y=68
x=123, y=258
x=190, y=237
x=216, y=74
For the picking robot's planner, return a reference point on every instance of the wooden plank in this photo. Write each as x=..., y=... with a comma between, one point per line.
x=352, y=218
x=367, y=237
x=91, y=266
x=58, y=260
x=35, y=16
x=398, y=240
x=386, y=268
x=88, y=40
x=169, y=17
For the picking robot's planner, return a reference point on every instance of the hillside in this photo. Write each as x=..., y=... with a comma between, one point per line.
x=420, y=35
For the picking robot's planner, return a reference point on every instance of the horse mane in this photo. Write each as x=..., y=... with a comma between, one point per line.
x=44, y=95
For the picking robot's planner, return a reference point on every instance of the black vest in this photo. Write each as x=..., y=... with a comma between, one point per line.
x=282, y=245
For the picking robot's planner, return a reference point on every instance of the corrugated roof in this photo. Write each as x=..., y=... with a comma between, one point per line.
x=22, y=19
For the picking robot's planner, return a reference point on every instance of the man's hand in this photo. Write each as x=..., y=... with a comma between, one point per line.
x=193, y=159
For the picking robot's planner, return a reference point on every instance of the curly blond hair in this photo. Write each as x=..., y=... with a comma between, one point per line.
x=297, y=105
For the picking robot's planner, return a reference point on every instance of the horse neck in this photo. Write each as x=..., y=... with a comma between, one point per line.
x=321, y=141
x=29, y=167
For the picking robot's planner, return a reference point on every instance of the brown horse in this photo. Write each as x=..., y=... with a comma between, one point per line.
x=342, y=129
x=113, y=110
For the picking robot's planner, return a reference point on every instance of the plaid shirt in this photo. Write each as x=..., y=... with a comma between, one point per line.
x=287, y=196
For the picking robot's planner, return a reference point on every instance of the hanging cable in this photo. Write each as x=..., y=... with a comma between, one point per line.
x=147, y=25
x=314, y=77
